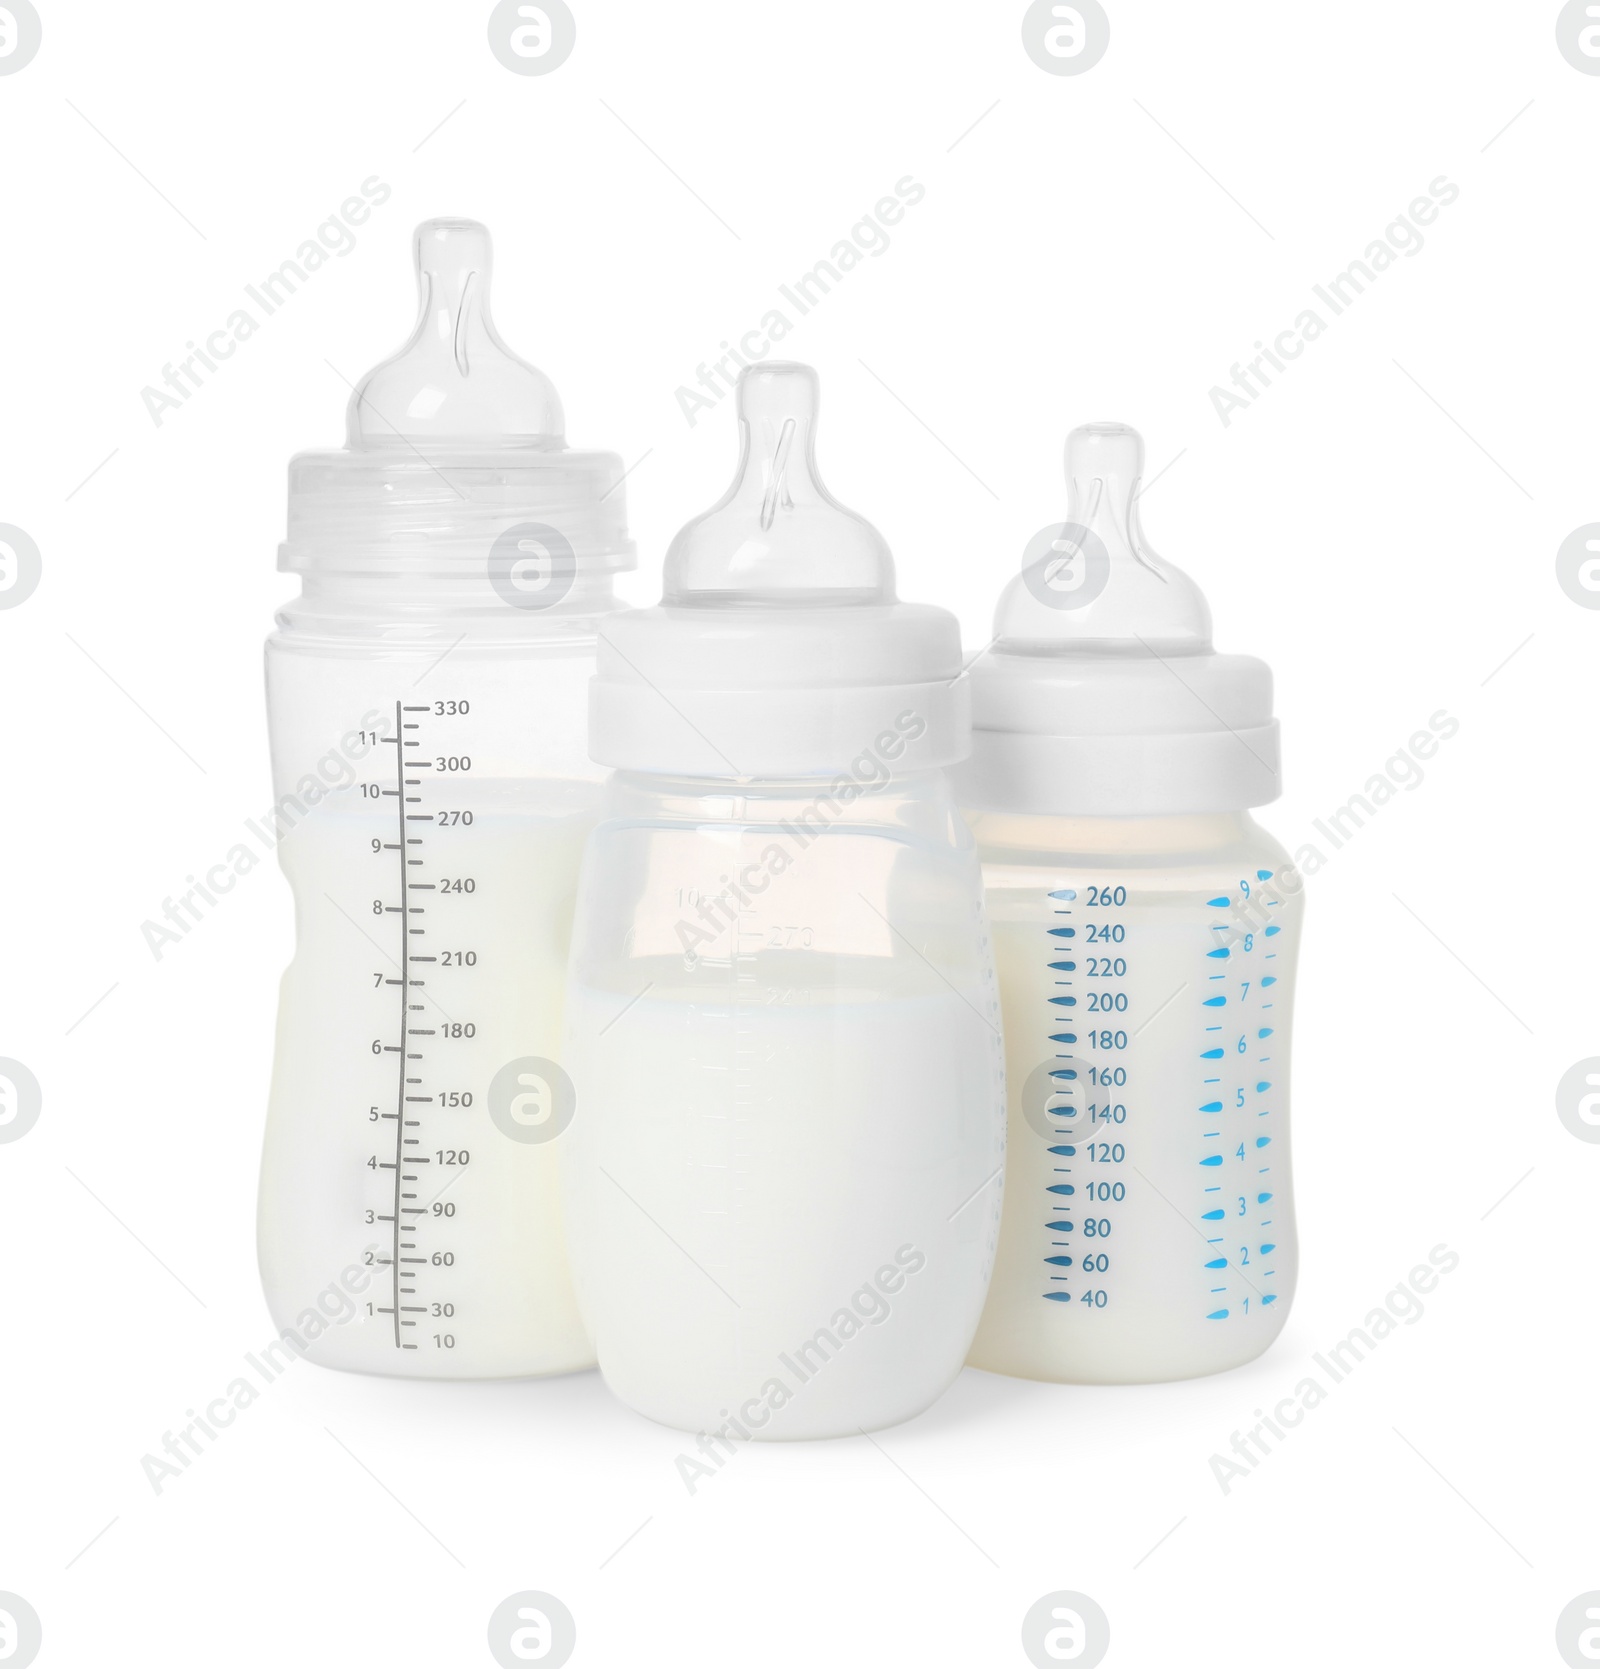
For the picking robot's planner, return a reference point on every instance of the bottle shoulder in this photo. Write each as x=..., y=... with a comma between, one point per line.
x=1201, y=842
x=295, y=640
x=338, y=614
x=815, y=824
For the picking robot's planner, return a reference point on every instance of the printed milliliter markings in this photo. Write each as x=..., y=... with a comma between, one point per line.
x=1237, y=1094
x=414, y=1093
x=1086, y=950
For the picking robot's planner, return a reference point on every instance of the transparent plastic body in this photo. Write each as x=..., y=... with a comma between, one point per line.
x=1146, y=972
x=783, y=1173
x=432, y=808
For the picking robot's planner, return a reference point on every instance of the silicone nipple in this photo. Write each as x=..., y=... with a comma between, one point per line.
x=1092, y=582
x=777, y=536
x=455, y=381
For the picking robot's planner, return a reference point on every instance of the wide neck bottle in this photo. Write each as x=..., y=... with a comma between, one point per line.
x=427, y=707
x=784, y=1171
x=1145, y=933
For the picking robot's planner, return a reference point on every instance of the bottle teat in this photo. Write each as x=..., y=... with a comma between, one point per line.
x=777, y=536
x=455, y=382
x=1092, y=583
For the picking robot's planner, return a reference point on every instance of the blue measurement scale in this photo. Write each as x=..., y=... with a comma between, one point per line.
x=1239, y=1103
x=1103, y=1091
x=1088, y=1004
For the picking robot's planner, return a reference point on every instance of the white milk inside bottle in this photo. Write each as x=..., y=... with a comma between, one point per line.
x=785, y=1163
x=426, y=696
x=1145, y=931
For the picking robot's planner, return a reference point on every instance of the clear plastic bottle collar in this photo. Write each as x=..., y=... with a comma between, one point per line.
x=777, y=536
x=1092, y=584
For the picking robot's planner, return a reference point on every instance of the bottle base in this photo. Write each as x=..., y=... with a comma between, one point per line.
x=1154, y=1372
x=469, y=1376
x=729, y=1429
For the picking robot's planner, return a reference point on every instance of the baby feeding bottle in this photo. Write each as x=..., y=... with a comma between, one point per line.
x=1145, y=931
x=426, y=696
x=785, y=1161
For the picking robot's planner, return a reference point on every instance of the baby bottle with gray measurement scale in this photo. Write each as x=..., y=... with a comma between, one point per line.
x=426, y=697
x=1145, y=932
x=784, y=1171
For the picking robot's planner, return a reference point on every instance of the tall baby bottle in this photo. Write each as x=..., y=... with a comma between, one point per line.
x=785, y=1160
x=426, y=695
x=1145, y=931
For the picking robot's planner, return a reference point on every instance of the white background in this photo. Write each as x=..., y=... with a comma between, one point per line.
x=1381, y=526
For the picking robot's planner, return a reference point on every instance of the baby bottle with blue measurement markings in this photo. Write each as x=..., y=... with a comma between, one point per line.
x=785, y=1162
x=1145, y=932
x=426, y=700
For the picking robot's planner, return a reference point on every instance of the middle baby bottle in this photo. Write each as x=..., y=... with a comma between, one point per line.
x=784, y=1166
